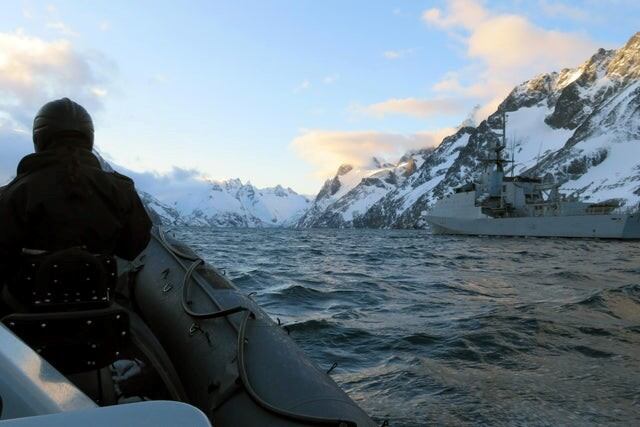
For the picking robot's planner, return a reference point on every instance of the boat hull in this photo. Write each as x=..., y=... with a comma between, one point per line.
x=206, y=355
x=584, y=226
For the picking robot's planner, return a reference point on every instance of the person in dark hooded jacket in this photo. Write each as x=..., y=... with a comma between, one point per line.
x=62, y=198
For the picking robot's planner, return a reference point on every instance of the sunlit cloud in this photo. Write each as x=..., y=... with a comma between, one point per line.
x=34, y=71
x=99, y=92
x=326, y=150
x=462, y=13
x=506, y=49
x=411, y=107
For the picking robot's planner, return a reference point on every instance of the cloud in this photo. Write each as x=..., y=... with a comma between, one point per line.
x=398, y=54
x=160, y=78
x=504, y=50
x=168, y=186
x=99, y=92
x=561, y=10
x=326, y=150
x=450, y=83
x=304, y=85
x=104, y=26
x=62, y=28
x=330, y=79
x=34, y=71
x=463, y=13
x=412, y=107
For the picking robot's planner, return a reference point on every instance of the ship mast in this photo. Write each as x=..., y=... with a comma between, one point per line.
x=500, y=147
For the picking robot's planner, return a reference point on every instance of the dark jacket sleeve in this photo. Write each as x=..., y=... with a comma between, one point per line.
x=137, y=228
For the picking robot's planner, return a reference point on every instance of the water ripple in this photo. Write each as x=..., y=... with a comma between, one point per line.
x=453, y=330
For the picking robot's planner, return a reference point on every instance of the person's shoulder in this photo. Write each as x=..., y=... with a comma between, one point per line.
x=18, y=183
x=15, y=190
x=121, y=177
x=121, y=182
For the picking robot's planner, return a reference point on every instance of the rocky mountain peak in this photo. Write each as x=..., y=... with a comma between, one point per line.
x=410, y=168
x=377, y=163
x=332, y=186
x=279, y=191
x=626, y=62
x=596, y=66
x=579, y=126
x=530, y=92
x=344, y=169
x=232, y=183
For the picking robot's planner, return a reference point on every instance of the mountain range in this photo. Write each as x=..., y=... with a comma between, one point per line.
x=580, y=125
x=228, y=204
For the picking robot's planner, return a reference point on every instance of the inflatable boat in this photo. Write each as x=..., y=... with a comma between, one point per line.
x=214, y=354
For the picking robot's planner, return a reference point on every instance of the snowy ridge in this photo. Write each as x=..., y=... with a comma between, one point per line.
x=225, y=204
x=581, y=125
x=348, y=196
x=187, y=199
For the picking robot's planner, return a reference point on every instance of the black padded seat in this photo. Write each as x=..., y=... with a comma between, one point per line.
x=74, y=341
x=71, y=279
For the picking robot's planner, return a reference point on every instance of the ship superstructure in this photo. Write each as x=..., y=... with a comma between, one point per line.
x=527, y=206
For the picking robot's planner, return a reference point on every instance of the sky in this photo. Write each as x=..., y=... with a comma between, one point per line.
x=282, y=92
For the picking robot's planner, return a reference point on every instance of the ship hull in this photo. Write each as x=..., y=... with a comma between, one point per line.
x=585, y=226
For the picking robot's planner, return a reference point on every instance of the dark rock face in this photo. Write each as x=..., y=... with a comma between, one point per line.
x=329, y=188
x=595, y=106
x=160, y=213
x=344, y=169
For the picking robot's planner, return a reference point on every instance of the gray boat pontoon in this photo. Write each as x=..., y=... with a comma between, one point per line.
x=217, y=357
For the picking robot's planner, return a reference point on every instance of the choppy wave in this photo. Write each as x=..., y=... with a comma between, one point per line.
x=453, y=330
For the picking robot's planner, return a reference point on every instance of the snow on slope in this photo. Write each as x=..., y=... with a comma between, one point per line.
x=227, y=204
x=184, y=198
x=532, y=137
x=351, y=193
x=581, y=125
x=617, y=177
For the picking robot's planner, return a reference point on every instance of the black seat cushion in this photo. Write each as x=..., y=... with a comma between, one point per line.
x=74, y=341
x=69, y=279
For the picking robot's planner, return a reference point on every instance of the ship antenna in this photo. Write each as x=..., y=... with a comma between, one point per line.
x=538, y=158
x=504, y=141
x=504, y=128
x=513, y=155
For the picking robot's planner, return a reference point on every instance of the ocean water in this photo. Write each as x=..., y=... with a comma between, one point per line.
x=452, y=330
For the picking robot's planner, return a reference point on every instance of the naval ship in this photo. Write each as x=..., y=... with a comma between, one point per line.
x=500, y=205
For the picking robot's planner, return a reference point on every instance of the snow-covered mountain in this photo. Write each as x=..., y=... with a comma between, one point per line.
x=344, y=199
x=582, y=125
x=183, y=198
x=226, y=204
